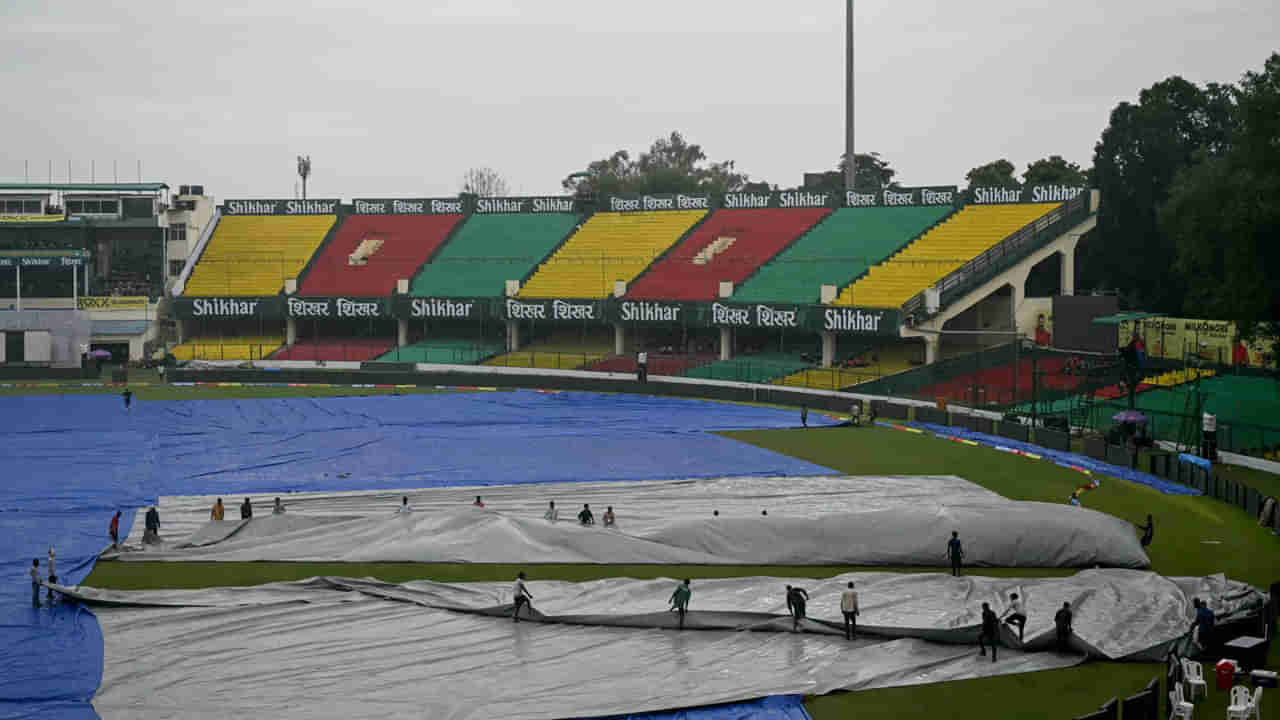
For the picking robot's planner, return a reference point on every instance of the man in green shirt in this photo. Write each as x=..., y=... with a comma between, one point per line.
x=680, y=600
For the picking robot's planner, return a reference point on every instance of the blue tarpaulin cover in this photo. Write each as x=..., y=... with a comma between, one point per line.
x=71, y=461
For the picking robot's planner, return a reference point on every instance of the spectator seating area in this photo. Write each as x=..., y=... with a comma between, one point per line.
x=659, y=363
x=488, y=250
x=369, y=253
x=759, y=368
x=237, y=348
x=255, y=254
x=608, y=247
x=859, y=366
x=450, y=351
x=837, y=251
x=1005, y=383
x=335, y=349
x=728, y=246
x=928, y=259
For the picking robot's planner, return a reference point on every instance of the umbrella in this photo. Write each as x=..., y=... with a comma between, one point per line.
x=100, y=354
x=1129, y=416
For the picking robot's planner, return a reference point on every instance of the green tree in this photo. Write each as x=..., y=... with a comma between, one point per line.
x=994, y=174
x=671, y=165
x=1054, y=170
x=873, y=173
x=1223, y=214
x=1135, y=161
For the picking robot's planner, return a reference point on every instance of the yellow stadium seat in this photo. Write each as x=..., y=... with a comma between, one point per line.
x=234, y=348
x=963, y=236
x=255, y=254
x=608, y=247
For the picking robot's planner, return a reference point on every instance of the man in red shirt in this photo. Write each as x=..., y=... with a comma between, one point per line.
x=115, y=529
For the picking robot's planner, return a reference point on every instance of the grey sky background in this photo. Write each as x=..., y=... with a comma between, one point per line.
x=400, y=98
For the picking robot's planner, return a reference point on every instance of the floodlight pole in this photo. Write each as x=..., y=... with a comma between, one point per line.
x=304, y=171
x=849, y=157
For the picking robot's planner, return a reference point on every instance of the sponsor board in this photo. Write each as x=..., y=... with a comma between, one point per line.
x=820, y=318
x=336, y=307
x=408, y=206
x=937, y=195
x=555, y=310
x=228, y=307
x=280, y=207
x=983, y=195
x=650, y=203
x=860, y=321
x=648, y=311
x=111, y=303
x=441, y=308
x=778, y=199
x=1173, y=338
x=44, y=261
x=492, y=205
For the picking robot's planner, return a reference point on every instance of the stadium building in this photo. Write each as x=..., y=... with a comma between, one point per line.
x=85, y=266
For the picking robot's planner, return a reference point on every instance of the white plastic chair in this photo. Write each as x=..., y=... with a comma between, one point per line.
x=1179, y=708
x=1193, y=674
x=1240, y=707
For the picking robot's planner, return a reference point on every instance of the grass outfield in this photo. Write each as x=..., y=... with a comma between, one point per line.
x=1194, y=536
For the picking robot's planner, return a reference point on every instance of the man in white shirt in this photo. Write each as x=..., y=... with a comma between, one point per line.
x=521, y=595
x=1016, y=614
x=552, y=514
x=404, y=505
x=849, y=607
x=642, y=366
x=278, y=508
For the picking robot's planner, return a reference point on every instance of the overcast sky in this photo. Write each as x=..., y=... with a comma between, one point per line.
x=400, y=98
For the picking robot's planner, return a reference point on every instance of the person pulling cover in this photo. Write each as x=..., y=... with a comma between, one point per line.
x=680, y=600
x=585, y=517
x=35, y=582
x=796, y=598
x=1148, y=531
x=404, y=505
x=53, y=573
x=552, y=514
x=278, y=508
x=1017, y=614
x=114, y=529
x=246, y=510
x=990, y=626
x=151, y=533
x=1062, y=626
x=218, y=512
x=609, y=518
x=521, y=596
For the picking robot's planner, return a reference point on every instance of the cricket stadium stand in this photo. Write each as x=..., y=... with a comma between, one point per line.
x=727, y=246
x=255, y=254
x=609, y=246
x=837, y=251
x=336, y=349
x=369, y=253
x=488, y=250
x=929, y=258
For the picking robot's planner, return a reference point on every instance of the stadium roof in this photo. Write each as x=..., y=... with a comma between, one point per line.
x=1124, y=317
x=87, y=187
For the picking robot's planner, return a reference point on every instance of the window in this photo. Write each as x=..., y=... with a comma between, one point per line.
x=178, y=232
x=20, y=207
x=175, y=267
x=93, y=207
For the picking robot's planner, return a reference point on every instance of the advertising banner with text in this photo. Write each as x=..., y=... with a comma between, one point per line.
x=337, y=307
x=818, y=318
x=1212, y=340
x=1022, y=194
x=44, y=259
x=779, y=199
x=280, y=207
x=649, y=203
x=938, y=195
x=111, y=303
x=219, y=308
x=537, y=205
x=408, y=206
x=556, y=310
x=439, y=308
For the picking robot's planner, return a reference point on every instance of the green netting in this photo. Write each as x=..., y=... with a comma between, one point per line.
x=836, y=251
x=445, y=350
x=759, y=368
x=488, y=250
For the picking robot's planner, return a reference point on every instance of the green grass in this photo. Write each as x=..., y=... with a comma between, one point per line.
x=1184, y=527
